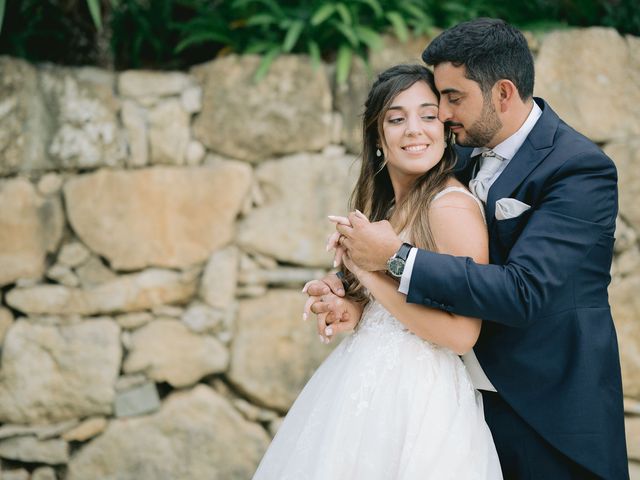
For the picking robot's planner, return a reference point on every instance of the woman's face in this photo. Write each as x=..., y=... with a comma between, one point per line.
x=413, y=136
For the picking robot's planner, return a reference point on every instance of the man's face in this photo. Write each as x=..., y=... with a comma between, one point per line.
x=472, y=117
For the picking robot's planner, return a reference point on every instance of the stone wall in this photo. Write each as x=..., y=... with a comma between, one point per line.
x=156, y=229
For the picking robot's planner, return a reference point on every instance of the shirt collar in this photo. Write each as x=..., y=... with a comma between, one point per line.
x=508, y=148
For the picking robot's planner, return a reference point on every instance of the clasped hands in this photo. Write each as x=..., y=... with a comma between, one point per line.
x=363, y=247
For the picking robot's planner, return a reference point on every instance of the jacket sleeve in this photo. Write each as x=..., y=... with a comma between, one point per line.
x=577, y=206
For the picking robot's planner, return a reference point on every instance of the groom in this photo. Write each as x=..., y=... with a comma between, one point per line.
x=547, y=357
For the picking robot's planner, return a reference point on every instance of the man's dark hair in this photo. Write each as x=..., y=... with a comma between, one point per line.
x=490, y=49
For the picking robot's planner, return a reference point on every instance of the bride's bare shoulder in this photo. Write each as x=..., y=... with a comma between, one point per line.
x=457, y=223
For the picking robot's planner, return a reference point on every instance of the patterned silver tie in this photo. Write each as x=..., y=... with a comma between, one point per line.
x=479, y=186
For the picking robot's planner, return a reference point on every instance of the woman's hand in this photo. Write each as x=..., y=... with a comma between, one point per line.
x=342, y=316
x=334, y=240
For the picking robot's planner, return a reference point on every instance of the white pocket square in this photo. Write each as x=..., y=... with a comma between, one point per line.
x=507, y=208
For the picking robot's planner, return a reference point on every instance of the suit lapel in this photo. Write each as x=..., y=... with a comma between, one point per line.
x=536, y=147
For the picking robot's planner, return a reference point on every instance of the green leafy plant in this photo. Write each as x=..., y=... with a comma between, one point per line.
x=180, y=33
x=329, y=29
x=2, y=8
x=48, y=30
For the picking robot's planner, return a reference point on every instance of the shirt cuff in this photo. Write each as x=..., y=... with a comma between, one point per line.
x=405, y=280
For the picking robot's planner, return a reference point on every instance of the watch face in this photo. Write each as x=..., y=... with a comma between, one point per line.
x=396, y=266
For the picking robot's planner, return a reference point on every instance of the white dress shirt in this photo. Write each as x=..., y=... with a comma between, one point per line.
x=507, y=150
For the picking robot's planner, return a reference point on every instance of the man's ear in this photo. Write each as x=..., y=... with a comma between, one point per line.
x=506, y=91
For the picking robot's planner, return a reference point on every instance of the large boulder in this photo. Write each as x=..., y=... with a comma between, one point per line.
x=85, y=108
x=127, y=293
x=30, y=226
x=196, y=435
x=26, y=131
x=300, y=190
x=626, y=155
x=28, y=448
x=590, y=78
x=169, y=132
x=625, y=305
x=167, y=351
x=163, y=216
x=147, y=83
x=274, y=352
x=218, y=284
x=55, y=373
x=289, y=110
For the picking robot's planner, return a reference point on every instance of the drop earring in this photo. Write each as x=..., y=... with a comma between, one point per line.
x=378, y=152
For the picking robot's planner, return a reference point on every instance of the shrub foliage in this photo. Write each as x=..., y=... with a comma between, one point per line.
x=173, y=34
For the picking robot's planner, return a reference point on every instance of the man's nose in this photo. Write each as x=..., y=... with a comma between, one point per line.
x=444, y=113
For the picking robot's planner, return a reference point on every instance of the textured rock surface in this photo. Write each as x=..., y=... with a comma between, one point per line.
x=134, y=119
x=87, y=132
x=626, y=155
x=30, y=449
x=26, y=129
x=269, y=334
x=162, y=216
x=288, y=111
x=6, y=320
x=30, y=226
x=44, y=473
x=71, y=371
x=168, y=133
x=127, y=293
x=168, y=352
x=625, y=305
x=632, y=426
x=300, y=190
x=146, y=83
x=196, y=434
x=139, y=400
x=590, y=78
x=218, y=286
x=87, y=429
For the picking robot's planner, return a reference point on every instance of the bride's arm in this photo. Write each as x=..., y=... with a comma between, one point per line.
x=458, y=229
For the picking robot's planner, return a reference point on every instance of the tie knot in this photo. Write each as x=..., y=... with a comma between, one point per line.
x=492, y=154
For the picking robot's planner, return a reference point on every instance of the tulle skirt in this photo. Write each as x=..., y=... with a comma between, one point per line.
x=385, y=405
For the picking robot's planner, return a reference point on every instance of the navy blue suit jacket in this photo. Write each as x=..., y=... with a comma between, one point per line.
x=548, y=342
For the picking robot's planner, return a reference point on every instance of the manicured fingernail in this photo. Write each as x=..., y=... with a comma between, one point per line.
x=340, y=291
x=304, y=289
x=321, y=338
x=335, y=263
x=304, y=317
x=328, y=331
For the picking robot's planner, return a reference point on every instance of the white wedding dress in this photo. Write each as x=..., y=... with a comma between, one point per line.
x=385, y=405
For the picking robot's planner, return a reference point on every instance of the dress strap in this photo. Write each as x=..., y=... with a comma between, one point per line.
x=444, y=191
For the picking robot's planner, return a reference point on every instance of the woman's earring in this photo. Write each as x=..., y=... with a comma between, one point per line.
x=378, y=152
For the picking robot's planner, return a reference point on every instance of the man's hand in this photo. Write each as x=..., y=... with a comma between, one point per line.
x=369, y=245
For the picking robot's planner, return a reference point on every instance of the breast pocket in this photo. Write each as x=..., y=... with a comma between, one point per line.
x=507, y=231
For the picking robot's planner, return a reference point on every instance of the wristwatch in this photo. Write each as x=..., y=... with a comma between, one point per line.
x=395, y=265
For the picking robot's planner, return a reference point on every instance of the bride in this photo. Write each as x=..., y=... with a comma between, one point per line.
x=394, y=401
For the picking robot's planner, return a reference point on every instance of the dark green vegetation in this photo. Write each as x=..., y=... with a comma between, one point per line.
x=173, y=34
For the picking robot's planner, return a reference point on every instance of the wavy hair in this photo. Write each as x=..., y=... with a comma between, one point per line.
x=373, y=194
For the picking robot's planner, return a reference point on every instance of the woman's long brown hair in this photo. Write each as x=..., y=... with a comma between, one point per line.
x=373, y=194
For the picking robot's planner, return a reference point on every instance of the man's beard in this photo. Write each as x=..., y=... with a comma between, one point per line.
x=484, y=129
